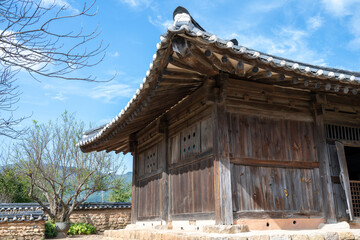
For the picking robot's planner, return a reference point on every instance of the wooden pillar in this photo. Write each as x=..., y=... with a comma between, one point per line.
x=162, y=126
x=324, y=159
x=135, y=184
x=222, y=177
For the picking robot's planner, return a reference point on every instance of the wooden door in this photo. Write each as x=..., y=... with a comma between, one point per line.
x=344, y=177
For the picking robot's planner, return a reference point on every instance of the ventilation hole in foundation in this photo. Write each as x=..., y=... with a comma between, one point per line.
x=294, y=222
x=268, y=224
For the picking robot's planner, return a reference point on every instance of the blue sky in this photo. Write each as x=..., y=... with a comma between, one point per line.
x=325, y=32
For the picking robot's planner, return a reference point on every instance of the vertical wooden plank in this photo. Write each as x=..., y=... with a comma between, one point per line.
x=204, y=181
x=206, y=135
x=323, y=158
x=222, y=179
x=277, y=141
x=286, y=191
x=197, y=188
x=344, y=177
x=164, y=165
x=256, y=140
x=277, y=189
x=266, y=182
x=249, y=189
x=234, y=187
x=134, y=188
x=211, y=192
x=242, y=189
x=257, y=191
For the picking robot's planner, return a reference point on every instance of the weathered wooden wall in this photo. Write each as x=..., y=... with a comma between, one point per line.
x=149, y=180
x=175, y=162
x=271, y=142
x=274, y=165
x=191, y=169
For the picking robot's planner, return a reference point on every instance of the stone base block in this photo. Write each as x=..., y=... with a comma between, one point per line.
x=228, y=229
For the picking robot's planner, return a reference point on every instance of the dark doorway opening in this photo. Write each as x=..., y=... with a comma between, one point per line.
x=353, y=162
x=352, y=155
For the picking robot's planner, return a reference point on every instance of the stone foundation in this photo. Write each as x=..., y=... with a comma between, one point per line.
x=103, y=219
x=22, y=230
x=136, y=233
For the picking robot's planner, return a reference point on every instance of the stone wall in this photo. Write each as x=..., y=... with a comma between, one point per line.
x=103, y=219
x=22, y=230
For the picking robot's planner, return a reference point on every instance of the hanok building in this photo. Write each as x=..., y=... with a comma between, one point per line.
x=223, y=134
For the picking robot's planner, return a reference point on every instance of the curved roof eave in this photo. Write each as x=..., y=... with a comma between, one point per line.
x=183, y=25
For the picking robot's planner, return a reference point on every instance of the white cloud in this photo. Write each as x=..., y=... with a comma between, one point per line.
x=348, y=11
x=314, y=23
x=115, y=54
x=59, y=96
x=340, y=7
x=265, y=6
x=106, y=92
x=58, y=3
x=111, y=91
x=160, y=22
x=286, y=42
x=137, y=3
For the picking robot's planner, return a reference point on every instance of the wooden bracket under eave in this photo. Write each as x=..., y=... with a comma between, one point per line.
x=210, y=92
x=161, y=124
x=132, y=143
x=221, y=82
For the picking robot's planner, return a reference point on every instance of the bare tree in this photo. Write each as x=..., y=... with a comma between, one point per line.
x=30, y=41
x=54, y=166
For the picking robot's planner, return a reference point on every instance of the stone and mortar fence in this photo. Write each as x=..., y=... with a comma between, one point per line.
x=26, y=230
x=106, y=217
x=26, y=221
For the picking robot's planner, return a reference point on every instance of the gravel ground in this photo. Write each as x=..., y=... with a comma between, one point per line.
x=83, y=237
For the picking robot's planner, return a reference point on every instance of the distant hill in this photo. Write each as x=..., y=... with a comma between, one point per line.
x=127, y=177
x=104, y=196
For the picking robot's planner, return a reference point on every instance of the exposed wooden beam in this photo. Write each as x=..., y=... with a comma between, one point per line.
x=252, y=72
x=167, y=73
x=227, y=64
x=273, y=163
x=263, y=75
x=240, y=69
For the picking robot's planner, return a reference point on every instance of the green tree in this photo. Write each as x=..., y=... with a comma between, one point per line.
x=14, y=188
x=50, y=160
x=121, y=192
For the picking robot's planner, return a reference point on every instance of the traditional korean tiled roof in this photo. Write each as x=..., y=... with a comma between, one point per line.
x=10, y=212
x=18, y=212
x=225, y=56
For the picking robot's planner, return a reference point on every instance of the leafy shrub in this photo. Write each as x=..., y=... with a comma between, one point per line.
x=81, y=228
x=50, y=230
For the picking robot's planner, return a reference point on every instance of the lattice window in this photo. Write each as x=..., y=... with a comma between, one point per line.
x=190, y=141
x=151, y=160
x=355, y=195
x=336, y=132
